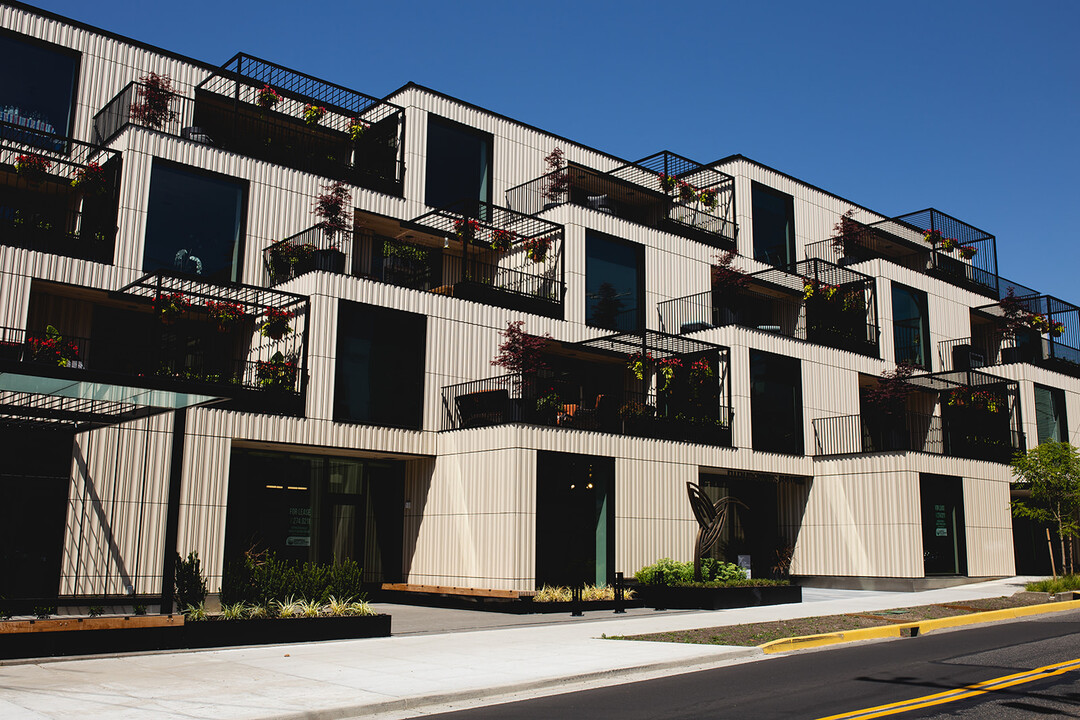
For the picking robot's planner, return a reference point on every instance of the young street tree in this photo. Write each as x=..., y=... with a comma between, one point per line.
x=1051, y=472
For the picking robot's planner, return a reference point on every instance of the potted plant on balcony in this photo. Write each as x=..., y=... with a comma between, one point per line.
x=501, y=240
x=332, y=206
x=276, y=324
x=155, y=94
x=278, y=373
x=851, y=239
x=536, y=249
x=267, y=97
x=226, y=314
x=968, y=252
x=357, y=128
x=53, y=349
x=709, y=197
x=668, y=182
x=313, y=114
x=522, y=355
x=89, y=180
x=558, y=182
x=32, y=167
x=728, y=283
x=169, y=307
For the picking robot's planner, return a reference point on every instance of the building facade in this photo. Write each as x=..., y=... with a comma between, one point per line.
x=191, y=359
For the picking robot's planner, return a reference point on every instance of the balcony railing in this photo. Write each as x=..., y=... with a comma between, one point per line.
x=225, y=113
x=693, y=201
x=557, y=402
x=57, y=195
x=927, y=241
x=812, y=300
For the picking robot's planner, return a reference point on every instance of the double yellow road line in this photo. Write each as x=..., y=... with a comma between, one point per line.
x=959, y=693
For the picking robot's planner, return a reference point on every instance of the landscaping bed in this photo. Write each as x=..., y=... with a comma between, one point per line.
x=678, y=597
x=753, y=634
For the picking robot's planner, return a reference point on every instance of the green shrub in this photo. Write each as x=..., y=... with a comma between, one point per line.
x=188, y=580
x=1049, y=585
x=671, y=572
x=266, y=580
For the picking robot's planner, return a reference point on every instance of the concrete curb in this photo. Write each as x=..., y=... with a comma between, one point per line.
x=472, y=695
x=914, y=628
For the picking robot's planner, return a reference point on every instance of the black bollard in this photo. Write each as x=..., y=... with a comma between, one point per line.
x=575, y=602
x=620, y=593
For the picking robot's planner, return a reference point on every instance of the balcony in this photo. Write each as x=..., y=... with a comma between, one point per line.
x=979, y=419
x=358, y=139
x=1036, y=329
x=927, y=241
x=597, y=387
x=663, y=191
x=171, y=333
x=57, y=195
x=813, y=300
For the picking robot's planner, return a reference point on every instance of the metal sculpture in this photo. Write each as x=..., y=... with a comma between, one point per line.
x=711, y=517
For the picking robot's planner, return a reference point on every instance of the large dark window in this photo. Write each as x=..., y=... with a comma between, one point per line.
x=776, y=403
x=614, y=282
x=380, y=366
x=1050, y=414
x=458, y=166
x=911, y=326
x=194, y=222
x=941, y=498
x=37, y=87
x=774, y=225
x=319, y=509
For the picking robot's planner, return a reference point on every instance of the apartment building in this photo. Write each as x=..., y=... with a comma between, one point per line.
x=193, y=360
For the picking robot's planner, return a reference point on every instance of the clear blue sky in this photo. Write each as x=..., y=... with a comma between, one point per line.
x=969, y=107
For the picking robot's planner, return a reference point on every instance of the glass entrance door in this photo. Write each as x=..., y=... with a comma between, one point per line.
x=575, y=519
x=943, y=530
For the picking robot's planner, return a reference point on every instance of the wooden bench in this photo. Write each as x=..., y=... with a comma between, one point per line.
x=8, y=627
x=460, y=591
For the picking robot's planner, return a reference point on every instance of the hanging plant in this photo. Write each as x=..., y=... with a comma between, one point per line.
x=53, y=348
x=155, y=96
x=687, y=192
x=983, y=400
x=357, y=127
x=967, y=252
x=267, y=98
x=639, y=364
x=949, y=244
x=225, y=313
x=668, y=182
x=276, y=325
x=466, y=230
x=89, y=180
x=708, y=197
x=277, y=373
x=313, y=114
x=501, y=240
x=701, y=370
x=666, y=370
x=815, y=289
x=170, y=307
x=536, y=249
x=32, y=167
x=932, y=236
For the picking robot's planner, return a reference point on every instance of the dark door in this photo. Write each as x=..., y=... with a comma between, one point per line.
x=943, y=530
x=575, y=519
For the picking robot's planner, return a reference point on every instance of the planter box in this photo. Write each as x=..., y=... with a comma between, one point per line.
x=270, y=631
x=664, y=597
x=330, y=261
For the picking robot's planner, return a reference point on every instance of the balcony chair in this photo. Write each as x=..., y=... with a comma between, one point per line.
x=195, y=134
x=601, y=203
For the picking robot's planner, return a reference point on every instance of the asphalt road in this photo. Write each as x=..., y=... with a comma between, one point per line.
x=848, y=678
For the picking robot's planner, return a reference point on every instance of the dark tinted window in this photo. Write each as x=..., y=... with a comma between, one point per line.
x=911, y=326
x=194, y=223
x=614, y=279
x=458, y=166
x=774, y=226
x=380, y=366
x=776, y=403
x=1050, y=414
x=37, y=86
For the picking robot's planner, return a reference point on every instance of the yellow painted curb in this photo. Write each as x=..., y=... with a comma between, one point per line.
x=923, y=626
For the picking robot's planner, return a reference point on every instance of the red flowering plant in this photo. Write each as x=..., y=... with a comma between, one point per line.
x=155, y=96
x=466, y=229
x=225, y=313
x=170, y=306
x=536, y=249
x=267, y=98
x=277, y=373
x=817, y=290
x=984, y=400
x=666, y=369
x=558, y=176
x=701, y=370
x=708, y=197
x=687, y=192
x=668, y=182
x=727, y=280
x=276, y=324
x=313, y=114
x=1044, y=324
x=520, y=352
x=357, y=127
x=932, y=236
x=32, y=166
x=501, y=240
x=967, y=252
x=53, y=348
x=949, y=244
x=90, y=179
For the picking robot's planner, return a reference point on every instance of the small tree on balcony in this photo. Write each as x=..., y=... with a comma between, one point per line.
x=890, y=394
x=521, y=352
x=155, y=95
x=558, y=176
x=333, y=207
x=849, y=234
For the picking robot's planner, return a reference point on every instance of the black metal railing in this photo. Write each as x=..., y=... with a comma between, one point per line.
x=180, y=355
x=279, y=134
x=57, y=195
x=695, y=202
x=851, y=434
x=299, y=254
x=560, y=402
x=747, y=308
x=928, y=242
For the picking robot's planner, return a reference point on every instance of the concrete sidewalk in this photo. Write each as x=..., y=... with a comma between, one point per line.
x=443, y=659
